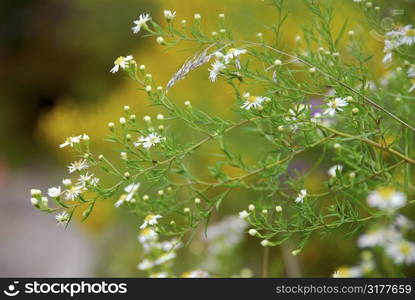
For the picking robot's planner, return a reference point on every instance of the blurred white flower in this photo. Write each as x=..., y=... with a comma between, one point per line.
x=386, y=198
x=145, y=265
x=70, y=141
x=165, y=257
x=401, y=252
x=147, y=235
x=217, y=67
x=54, y=192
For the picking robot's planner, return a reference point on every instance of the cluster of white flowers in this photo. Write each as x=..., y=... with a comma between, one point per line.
x=396, y=38
x=222, y=60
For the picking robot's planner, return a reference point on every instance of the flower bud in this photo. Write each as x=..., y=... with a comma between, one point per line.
x=197, y=200
x=265, y=243
x=251, y=207
x=278, y=209
x=160, y=40
x=34, y=202
x=253, y=232
x=277, y=62
x=186, y=210
x=146, y=197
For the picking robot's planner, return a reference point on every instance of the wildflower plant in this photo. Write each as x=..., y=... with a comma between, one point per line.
x=318, y=97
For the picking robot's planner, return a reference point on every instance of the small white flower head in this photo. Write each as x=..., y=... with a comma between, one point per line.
x=222, y=16
x=150, y=220
x=141, y=22
x=121, y=63
x=54, y=192
x=71, y=141
x=123, y=121
x=73, y=192
x=160, y=117
x=197, y=200
x=186, y=210
x=312, y=70
x=334, y=170
x=277, y=62
x=265, y=243
x=408, y=35
x=147, y=235
x=131, y=191
x=169, y=15
x=233, y=53
x=146, y=197
x=159, y=275
x=278, y=209
x=337, y=146
x=386, y=198
x=62, y=218
x=351, y=33
x=145, y=265
x=34, y=202
x=335, y=105
x=401, y=252
x=111, y=125
x=165, y=257
x=346, y=272
x=79, y=165
x=35, y=192
x=197, y=16
x=251, y=207
x=301, y=196
x=87, y=178
x=411, y=71
x=215, y=69
x=188, y=103
x=149, y=141
x=253, y=101
x=252, y=232
x=160, y=192
x=124, y=156
x=243, y=214
x=85, y=137
x=378, y=237
x=265, y=211
x=160, y=40
x=66, y=182
x=148, y=88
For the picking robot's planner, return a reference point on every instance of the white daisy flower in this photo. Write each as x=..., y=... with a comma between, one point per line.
x=386, y=198
x=233, y=53
x=411, y=71
x=243, y=214
x=378, y=237
x=70, y=141
x=253, y=101
x=408, y=35
x=121, y=62
x=147, y=235
x=217, y=67
x=335, y=105
x=54, y=192
x=347, y=272
x=165, y=257
x=145, y=265
x=142, y=21
x=62, y=218
x=149, y=141
x=73, y=192
x=334, y=170
x=80, y=165
x=301, y=196
x=169, y=15
x=401, y=252
x=150, y=220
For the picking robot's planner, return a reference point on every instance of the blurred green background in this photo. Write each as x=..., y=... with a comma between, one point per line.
x=55, y=57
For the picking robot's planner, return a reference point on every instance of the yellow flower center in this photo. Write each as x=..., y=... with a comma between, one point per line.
x=410, y=32
x=252, y=99
x=149, y=218
x=404, y=248
x=119, y=60
x=343, y=272
x=386, y=192
x=231, y=51
x=145, y=231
